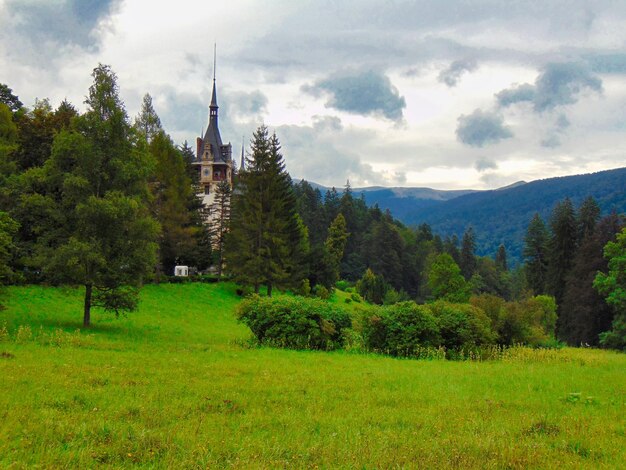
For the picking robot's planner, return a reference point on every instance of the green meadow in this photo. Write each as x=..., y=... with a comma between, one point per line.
x=178, y=385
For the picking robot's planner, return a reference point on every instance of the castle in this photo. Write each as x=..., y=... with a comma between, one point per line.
x=213, y=158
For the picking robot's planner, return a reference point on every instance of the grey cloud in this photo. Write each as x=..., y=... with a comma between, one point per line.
x=484, y=164
x=558, y=84
x=327, y=123
x=551, y=141
x=482, y=128
x=43, y=26
x=366, y=93
x=525, y=92
x=562, y=122
x=244, y=104
x=452, y=74
x=613, y=63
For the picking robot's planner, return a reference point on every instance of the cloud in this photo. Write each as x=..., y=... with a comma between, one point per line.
x=44, y=26
x=551, y=141
x=484, y=164
x=614, y=63
x=452, y=74
x=365, y=93
x=244, y=104
x=558, y=84
x=481, y=128
x=525, y=92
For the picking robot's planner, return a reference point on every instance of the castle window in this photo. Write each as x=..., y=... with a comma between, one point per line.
x=207, y=189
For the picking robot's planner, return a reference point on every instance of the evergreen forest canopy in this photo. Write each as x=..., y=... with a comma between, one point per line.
x=96, y=200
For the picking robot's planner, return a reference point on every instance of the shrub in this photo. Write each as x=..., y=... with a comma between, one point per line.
x=321, y=292
x=294, y=322
x=400, y=330
x=462, y=325
x=530, y=321
x=372, y=287
x=342, y=285
x=356, y=297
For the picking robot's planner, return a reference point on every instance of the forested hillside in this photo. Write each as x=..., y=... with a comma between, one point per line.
x=502, y=216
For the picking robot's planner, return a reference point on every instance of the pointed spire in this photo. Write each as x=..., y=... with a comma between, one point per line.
x=213, y=106
x=243, y=161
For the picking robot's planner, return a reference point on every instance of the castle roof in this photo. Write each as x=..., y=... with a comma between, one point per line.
x=212, y=135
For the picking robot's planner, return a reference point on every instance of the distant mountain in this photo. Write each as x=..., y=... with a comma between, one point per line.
x=500, y=215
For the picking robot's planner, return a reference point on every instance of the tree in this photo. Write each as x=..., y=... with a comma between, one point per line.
x=584, y=313
x=588, y=215
x=9, y=99
x=501, y=262
x=8, y=228
x=264, y=244
x=172, y=191
x=334, y=247
x=219, y=218
x=445, y=280
x=96, y=182
x=147, y=122
x=562, y=247
x=613, y=286
x=467, y=262
x=536, y=255
x=372, y=287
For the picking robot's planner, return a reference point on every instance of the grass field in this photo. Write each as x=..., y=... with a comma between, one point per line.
x=175, y=386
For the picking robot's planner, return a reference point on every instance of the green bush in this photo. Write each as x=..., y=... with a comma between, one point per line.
x=295, y=322
x=342, y=285
x=462, y=325
x=356, y=297
x=322, y=292
x=401, y=329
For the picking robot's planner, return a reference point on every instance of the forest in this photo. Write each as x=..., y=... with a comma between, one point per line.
x=100, y=200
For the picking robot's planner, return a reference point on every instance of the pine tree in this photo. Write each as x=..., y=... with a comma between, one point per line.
x=588, y=215
x=445, y=280
x=264, y=245
x=95, y=184
x=172, y=192
x=501, y=262
x=467, y=262
x=584, y=313
x=219, y=218
x=536, y=255
x=334, y=248
x=147, y=122
x=562, y=247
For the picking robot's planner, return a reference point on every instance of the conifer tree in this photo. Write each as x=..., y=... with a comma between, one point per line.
x=562, y=247
x=334, y=248
x=219, y=218
x=467, y=261
x=264, y=245
x=588, y=215
x=147, y=122
x=584, y=313
x=501, y=261
x=536, y=255
x=95, y=183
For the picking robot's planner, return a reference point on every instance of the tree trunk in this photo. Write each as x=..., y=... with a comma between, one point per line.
x=256, y=288
x=87, y=315
x=269, y=289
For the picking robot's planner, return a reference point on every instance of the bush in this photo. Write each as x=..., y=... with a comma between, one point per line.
x=530, y=321
x=322, y=292
x=372, y=287
x=356, y=297
x=462, y=326
x=400, y=330
x=294, y=322
x=342, y=285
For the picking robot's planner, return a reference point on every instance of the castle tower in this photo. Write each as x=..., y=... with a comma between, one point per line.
x=213, y=159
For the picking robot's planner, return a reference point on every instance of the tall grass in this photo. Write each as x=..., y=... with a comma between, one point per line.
x=173, y=386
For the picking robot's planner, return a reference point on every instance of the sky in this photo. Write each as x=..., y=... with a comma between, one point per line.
x=447, y=94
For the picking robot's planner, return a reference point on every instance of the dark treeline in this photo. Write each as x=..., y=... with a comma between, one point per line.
x=94, y=199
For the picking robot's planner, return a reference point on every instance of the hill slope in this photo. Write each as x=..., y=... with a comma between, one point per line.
x=502, y=216
x=175, y=385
